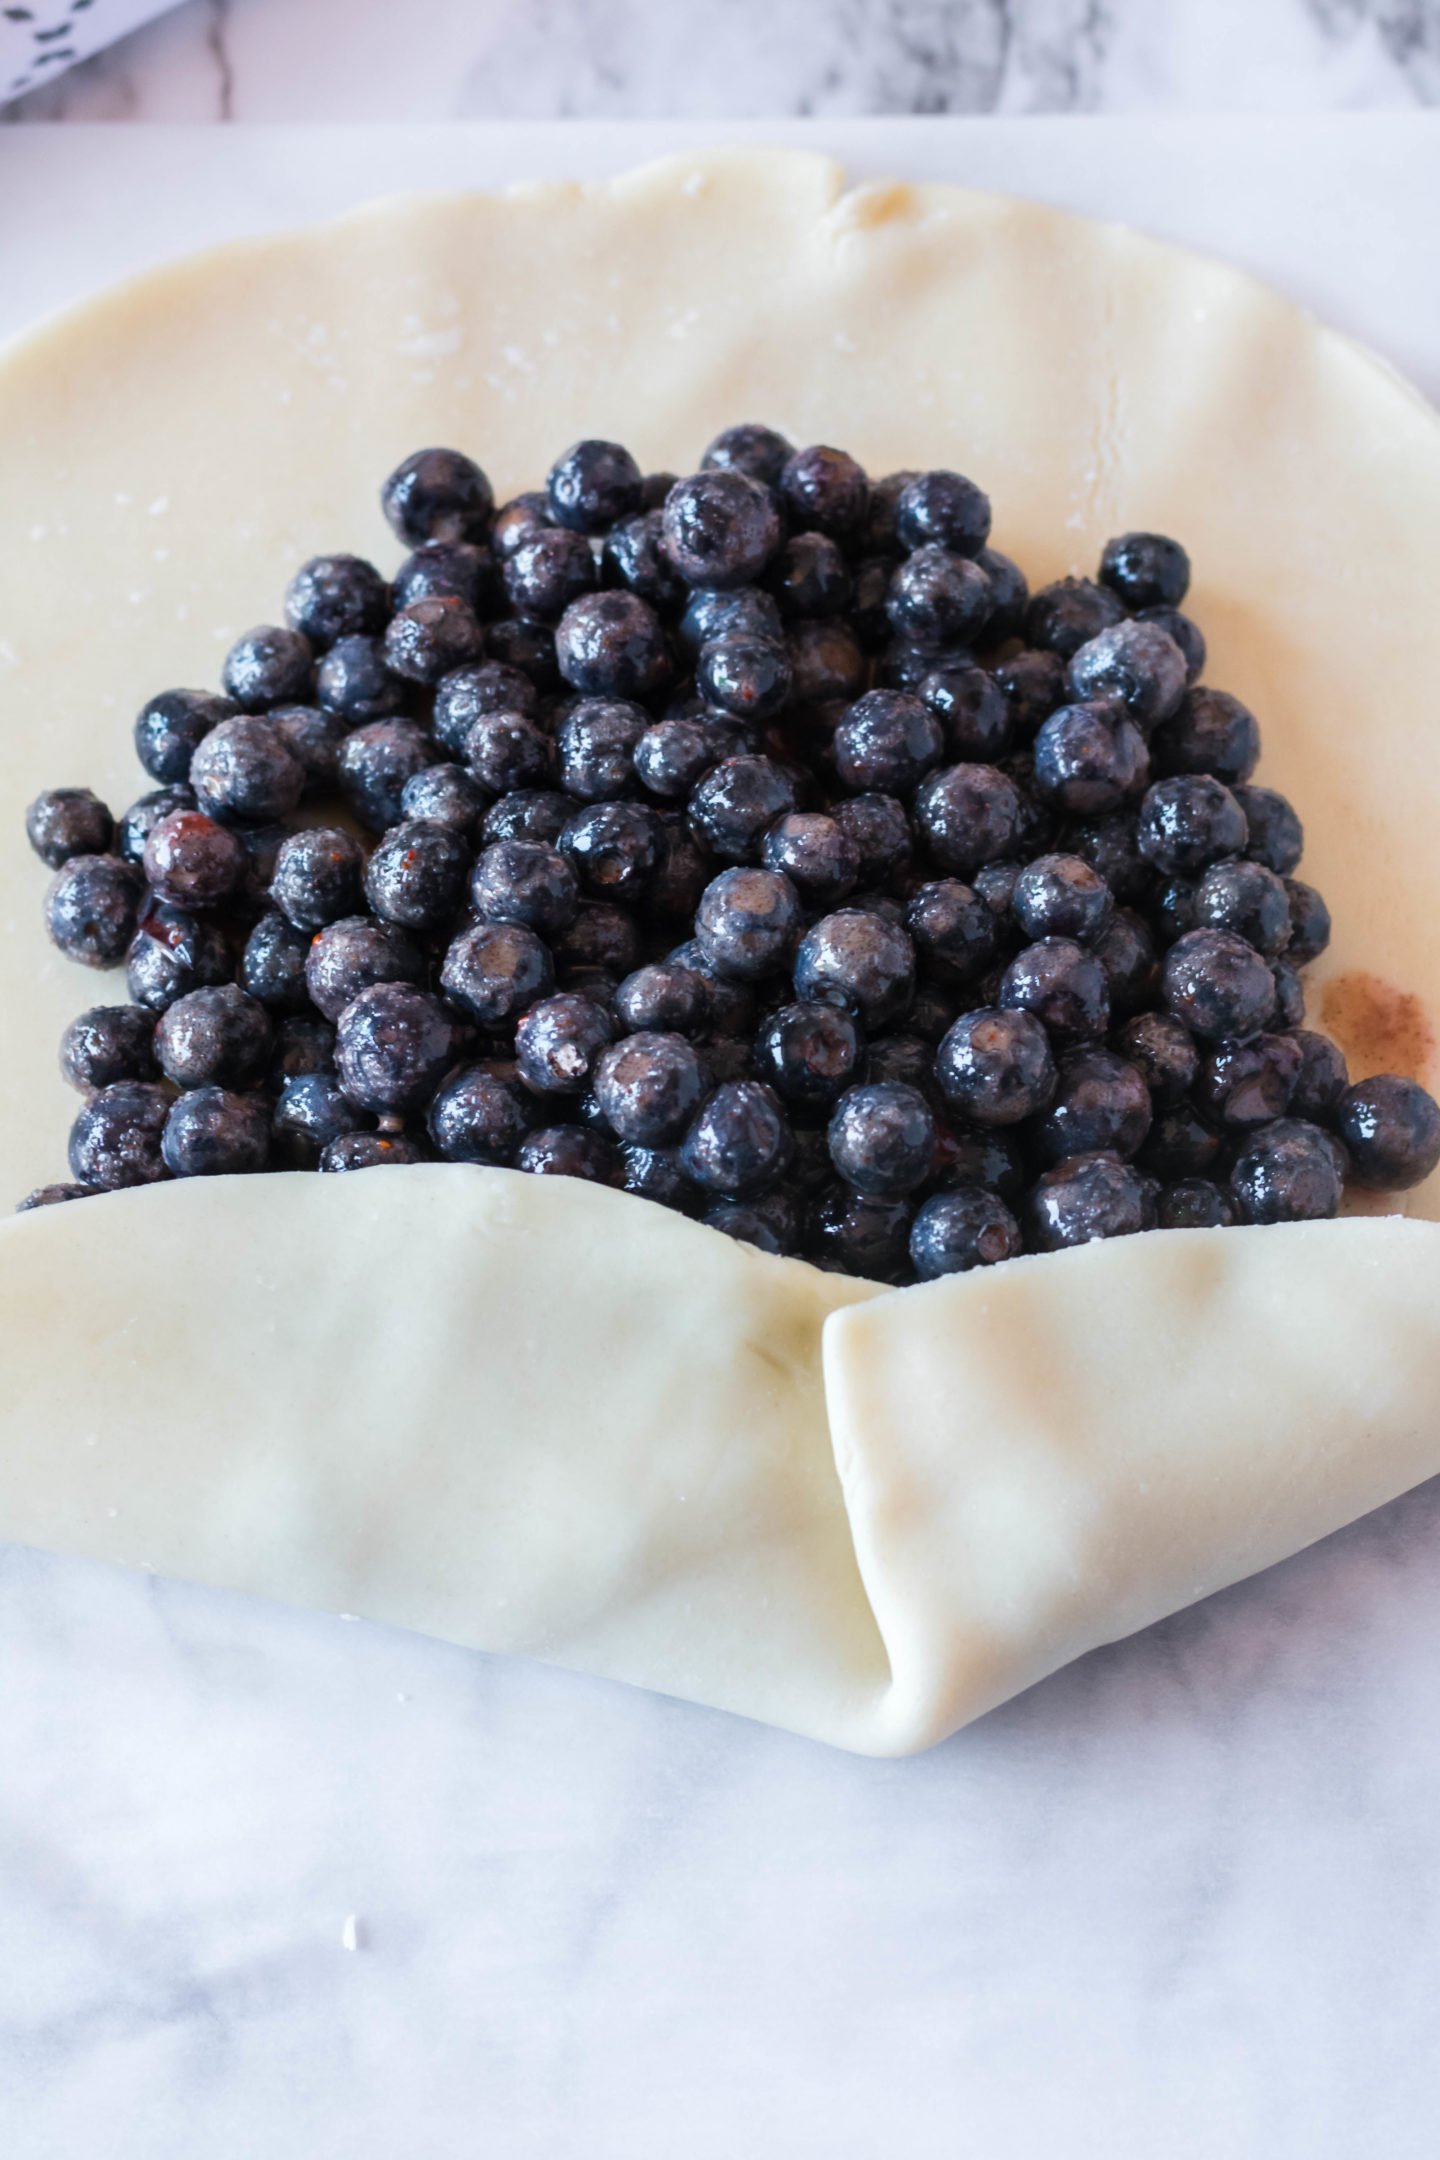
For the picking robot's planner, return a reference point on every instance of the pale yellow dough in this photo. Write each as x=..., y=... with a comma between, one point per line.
x=533, y=1416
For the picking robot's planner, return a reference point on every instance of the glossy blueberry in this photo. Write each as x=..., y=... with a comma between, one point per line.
x=664, y=997
x=319, y=877
x=1009, y=595
x=748, y=677
x=995, y=1159
x=525, y=881
x=315, y=738
x=1146, y=569
x=547, y=571
x=942, y=509
x=969, y=815
x=1090, y=1197
x=816, y=853
x=739, y=1142
x=857, y=959
x=603, y=936
x=1288, y=1171
x=597, y=742
x=107, y=1043
x=658, y=1174
x=393, y=1044
x=376, y=762
x=962, y=1228
x=994, y=883
x=174, y=950
x=825, y=491
x=879, y=828
x=938, y=601
x=1193, y=1204
x=1187, y=823
x=215, y=1037
x=1322, y=1079
x=613, y=645
x=1211, y=733
x=272, y=965
x=268, y=666
x=886, y=743
x=880, y=537
x=1137, y=664
x=216, y=1132
x=354, y=955
x=614, y=849
x=809, y=1054
x=996, y=1067
x=953, y=929
x=758, y=452
x=244, y=769
x=809, y=577
x=354, y=682
x=711, y=613
x=1164, y=1053
x=312, y=1110
x=721, y=528
x=1250, y=900
x=1180, y=1143
x=568, y=1151
x=445, y=795
x=517, y=519
x=1309, y=923
x=335, y=596
x=304, y=1044
x=506, y=751
x=860, y=1234
x=1062, y=896
x=470, y=692
x=559, y=1041
x=493, y=971
x=91, y=909
x=480, y=1115
x=115, y=1140
x=1127, y=952
x=431, y=638
x=1061, y=984
x=1185, y=632
x=417, y=874
x=826, y=664
x=1066, y=615
x=1391, y=1126
x=170, y=728
x=1217, y=985
x=592, y=485
x=448, y=570
x=1276, y=836
x=972, y=710
x=369, y=1151
x=193, y=861
x=437, y=495
x=140, y=820
x=634, y=557
x=1088, y=758
x=869, y=590
x=772, y=1221
x=649, y=1087
x=1033, y=686
x=1243, y=1084
x=1101, y=1102
x=732, y=807
x=748, y=922
x=1289, y=995
x=882, y=1139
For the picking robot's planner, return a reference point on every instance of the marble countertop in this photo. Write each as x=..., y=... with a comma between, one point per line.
x=285, y=1886
x=447, y=59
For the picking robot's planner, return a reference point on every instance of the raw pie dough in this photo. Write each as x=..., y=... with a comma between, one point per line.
x=531, y=1415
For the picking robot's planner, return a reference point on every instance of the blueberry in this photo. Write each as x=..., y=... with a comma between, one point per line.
x=107, y=1043
x=665, y=998
x=91, y=909
x=268, y=666
x=1062, y=896
x=214, y=1037
x=174, y=951
x=1322, y=1079
x=857, y=959
x=354, y=681
x=1146, y=569
x=880, y=536
x=354, y=955
x=493, y=971
x=1218, y=985
x=602, y=936
x=825, y=491
x=1193, y=1204
x=244, y=769
x=965, y=1227
x=1127, y=953
x=506, y=751
x=634, y=557
x=879, y=828
x=272, y=966
x=969, y=815
x=938, y=601
x=170, y=728
x=213, y=1132
x=1211, y=733
x=1309, y=923
x=612, y=644
x=598, y=740
x=996, y=1067
x=952, y=928
x=517, y=519
x=312, y=1111
x=1033, y=686
x=860, y=1234
x=525, y=881
x=592, y=485
x=808, y=1053
x=749, y=677
x=1101, y=1102
x=1066, y=615
x=376, y=762
x=1180, y=1143
x=446, y=570
x=335, y=596
x=1187, y=823
x=809, y=577
x=369, y=1151
x=416, y=876
x=649, y=1087
x=193, y=861
x=1243, y=1084
x=748, y=922
x=487, y=687
x=614, y=849
x=995, y=884
x=758, y=452
x=1061, y=984
x=479, y=1116
x=815, y=853
x=1009, y=595
x=1250, y=900
x=995, y=1159
x=721, y=528
x=749, y=1222
x=886, y=743
x=882, y=1139
x=1288, y=1171
x=1135, y=663
x=558, y=1042
x=567, y=1151
x=1391, y=1126
x=445, y=795
x=1090, y=1197
x=736, y=802
x=1172, y=909
x=1289, y=995
x=1088, y=758
x=869, y=591
x=115, y=1140
x=1276, y=836
x=319, y=877
x=1186, y=634
x=140, y=820
x=431, y=638
x=53, y=1196
x=393, y=1044
x=548, y=570
x=972, y=710
x=437, y=495
x=739, y=1141
x=711, y=613
x=314, y=737
x=1163, y=1051
x=304, y=1044
x=942, y=509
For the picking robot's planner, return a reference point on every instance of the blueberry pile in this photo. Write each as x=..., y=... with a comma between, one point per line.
x=755, y=841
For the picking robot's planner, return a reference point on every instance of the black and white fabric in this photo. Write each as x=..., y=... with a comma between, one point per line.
x=39, y=41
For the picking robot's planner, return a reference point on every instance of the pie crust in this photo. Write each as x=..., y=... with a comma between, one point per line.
x=531, y=1415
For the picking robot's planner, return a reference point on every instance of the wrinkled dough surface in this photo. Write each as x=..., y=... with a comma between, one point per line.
x=542, y=1418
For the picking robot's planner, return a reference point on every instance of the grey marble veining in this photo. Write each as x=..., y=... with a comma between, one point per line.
x=367, y=59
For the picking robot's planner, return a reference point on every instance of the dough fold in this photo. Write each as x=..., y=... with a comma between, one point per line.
x=474, y=1404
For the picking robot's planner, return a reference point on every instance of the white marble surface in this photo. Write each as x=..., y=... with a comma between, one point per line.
x=1182, y=1900
x=447, y=59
